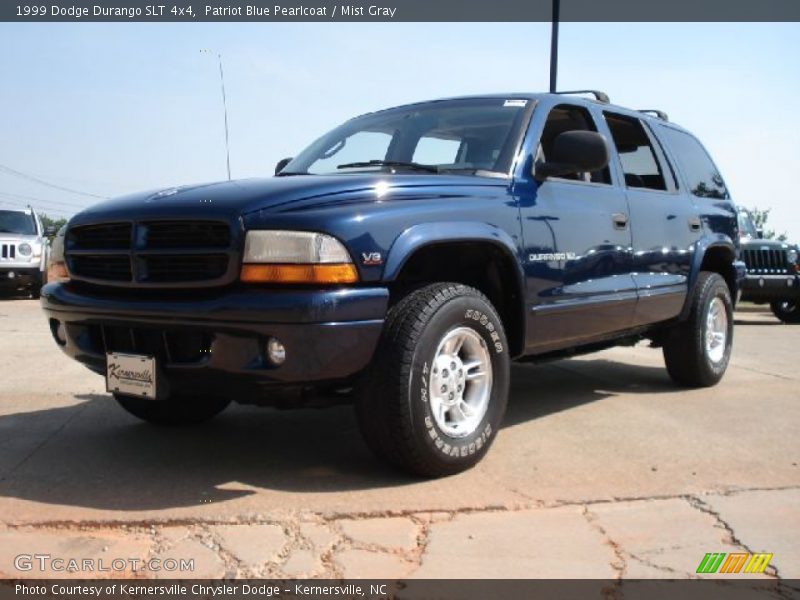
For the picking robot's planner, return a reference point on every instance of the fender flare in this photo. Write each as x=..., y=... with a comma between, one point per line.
x=701, y=249
x=426, y=235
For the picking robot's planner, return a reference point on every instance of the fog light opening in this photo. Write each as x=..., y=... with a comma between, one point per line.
x=276, y=352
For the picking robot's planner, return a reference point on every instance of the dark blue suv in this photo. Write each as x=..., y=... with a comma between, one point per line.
x=402, y=261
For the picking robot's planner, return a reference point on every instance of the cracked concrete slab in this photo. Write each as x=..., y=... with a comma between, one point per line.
x=253, y=546
x=31, y=552
x=364, y=564
x=661, y=538
x=552, y=543
x=757, y=517
x=601, y=460
x=386, y=533
x=206, y=560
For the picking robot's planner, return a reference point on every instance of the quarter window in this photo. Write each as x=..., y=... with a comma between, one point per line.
x=700, y=173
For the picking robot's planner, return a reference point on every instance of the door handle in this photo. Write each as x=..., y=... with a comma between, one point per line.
x=695, y=224
x=620, y=220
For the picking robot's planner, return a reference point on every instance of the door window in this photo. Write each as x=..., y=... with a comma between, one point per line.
x=640, y=163
x=567, y=117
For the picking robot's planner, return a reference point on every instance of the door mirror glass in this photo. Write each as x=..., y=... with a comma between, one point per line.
x=574, y=152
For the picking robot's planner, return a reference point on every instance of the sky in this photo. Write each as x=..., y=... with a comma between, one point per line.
x=106, y=109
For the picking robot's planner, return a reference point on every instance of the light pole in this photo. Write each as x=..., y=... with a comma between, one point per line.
x=224, y=109
x=554, y=46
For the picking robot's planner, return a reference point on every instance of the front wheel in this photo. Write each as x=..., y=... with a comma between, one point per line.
x=434, y=398
x=176, y=410
x=697, y=351
x=787, y=311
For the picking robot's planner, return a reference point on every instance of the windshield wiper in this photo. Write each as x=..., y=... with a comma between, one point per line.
x=390, y=163
x=290, y=173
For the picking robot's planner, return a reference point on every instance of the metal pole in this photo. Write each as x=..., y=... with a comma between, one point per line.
x=225, y=110
x=554, y=46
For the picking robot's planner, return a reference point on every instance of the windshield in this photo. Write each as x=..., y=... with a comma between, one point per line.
x=479, y=134
x=746, y=227
x=21, y=223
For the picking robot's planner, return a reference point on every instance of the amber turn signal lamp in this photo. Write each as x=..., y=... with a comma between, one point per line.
x=293, y=273
x=57, y=271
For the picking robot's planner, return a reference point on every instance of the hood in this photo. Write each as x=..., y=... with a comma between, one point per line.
x=279, y=194
x=18, y=237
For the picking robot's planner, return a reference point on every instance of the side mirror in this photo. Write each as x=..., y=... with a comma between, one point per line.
x=574, y=152
x=281, y=164
x=49, y=231
x=760, y=233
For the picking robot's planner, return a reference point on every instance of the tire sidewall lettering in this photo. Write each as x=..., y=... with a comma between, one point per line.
x=490, y=329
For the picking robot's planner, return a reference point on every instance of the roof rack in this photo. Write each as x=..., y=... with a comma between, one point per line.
x=599, y=96
x=653, y=111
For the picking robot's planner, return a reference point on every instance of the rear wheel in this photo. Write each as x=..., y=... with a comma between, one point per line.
x=787, y=311
x=434, y=397
x=176, y=410
x=697, y=350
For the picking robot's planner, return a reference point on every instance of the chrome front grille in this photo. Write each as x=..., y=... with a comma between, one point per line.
x=153, y=253
x=770, y=261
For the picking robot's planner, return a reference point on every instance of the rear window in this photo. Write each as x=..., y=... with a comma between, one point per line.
x=698, y=169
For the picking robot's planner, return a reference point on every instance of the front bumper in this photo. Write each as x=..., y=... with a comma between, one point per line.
x=17, y=277
x=216, y=342
x=766, y=288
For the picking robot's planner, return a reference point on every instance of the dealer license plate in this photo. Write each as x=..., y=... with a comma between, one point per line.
x=131, y=374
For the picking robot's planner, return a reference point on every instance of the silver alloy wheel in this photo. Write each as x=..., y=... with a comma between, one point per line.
x=461, y=382
x=716, y=330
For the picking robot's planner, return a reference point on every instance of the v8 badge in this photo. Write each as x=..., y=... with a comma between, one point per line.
x=371, y=258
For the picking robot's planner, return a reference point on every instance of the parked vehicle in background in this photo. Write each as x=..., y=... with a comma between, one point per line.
x=23, y=251
x=403, y=260
x=773, y=271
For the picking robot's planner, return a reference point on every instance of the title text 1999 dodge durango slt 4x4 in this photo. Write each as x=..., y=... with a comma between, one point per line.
x=404, y=260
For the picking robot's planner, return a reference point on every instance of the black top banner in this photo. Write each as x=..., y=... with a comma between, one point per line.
x=399, y=10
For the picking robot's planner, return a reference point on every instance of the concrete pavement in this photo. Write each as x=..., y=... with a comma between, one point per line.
x=603, y=469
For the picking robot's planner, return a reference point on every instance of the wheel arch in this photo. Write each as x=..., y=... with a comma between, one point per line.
x=476, y=254
x=717, y=256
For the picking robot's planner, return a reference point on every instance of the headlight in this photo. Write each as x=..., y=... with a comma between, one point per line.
x=295, y=257
x=791, y=255
x=25, y=249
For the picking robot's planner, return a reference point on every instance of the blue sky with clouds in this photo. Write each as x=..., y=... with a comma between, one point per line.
x=113, y=108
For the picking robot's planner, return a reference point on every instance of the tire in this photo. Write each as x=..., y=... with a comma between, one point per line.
x=787, y=311
x=178, y=410
x=35, y=290
x=694, y=355
x=405, y=415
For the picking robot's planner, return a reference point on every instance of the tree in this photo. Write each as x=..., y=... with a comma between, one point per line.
x=49, y=221
x=760, y=218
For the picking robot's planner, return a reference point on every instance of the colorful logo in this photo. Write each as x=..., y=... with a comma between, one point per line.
x=736, y=562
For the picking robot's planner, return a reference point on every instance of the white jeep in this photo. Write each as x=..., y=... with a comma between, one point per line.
x=23, y=251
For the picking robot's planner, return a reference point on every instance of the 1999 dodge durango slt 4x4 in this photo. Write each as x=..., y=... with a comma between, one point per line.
x=404, y=260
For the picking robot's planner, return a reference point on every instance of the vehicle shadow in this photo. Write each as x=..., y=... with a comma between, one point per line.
x=754, y=322
x=94, y=455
